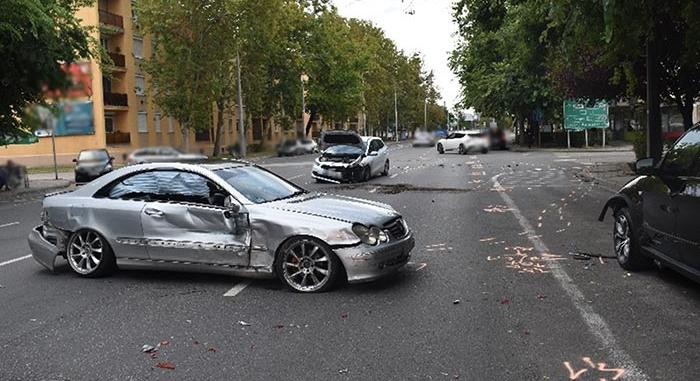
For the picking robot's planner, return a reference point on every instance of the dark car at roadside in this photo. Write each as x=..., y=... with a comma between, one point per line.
x=656, y=214
x=91, y=164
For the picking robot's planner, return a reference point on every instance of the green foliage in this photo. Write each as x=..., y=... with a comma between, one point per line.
x=35, y=37
x=501, y=58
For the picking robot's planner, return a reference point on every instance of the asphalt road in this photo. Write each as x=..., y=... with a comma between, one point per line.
x=492, y=293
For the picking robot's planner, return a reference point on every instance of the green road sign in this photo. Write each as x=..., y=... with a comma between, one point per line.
x=580, y=116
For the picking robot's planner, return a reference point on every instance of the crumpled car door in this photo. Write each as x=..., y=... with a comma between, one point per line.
x=184, y=232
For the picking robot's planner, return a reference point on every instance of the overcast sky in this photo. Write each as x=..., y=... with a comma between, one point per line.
x=428, y=31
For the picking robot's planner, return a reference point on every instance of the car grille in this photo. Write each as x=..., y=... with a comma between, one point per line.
x=396, y=228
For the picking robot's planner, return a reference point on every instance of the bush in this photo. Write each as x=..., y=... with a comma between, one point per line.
x=640, y=144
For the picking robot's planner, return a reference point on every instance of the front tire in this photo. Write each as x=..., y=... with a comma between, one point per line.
x=89, y=254
x=484, y=150
x=386, y=168
x=440, y=149
x=307, y=265
x=462, y=150
x=626, y=244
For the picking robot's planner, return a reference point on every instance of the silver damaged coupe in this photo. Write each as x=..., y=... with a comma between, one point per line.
x=235, y=218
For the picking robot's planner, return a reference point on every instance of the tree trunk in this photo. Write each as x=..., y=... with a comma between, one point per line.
x=309, y=124
x=685, y=106
x=218, y=130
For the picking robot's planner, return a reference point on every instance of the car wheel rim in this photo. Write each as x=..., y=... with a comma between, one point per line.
x=306, y=266
x=85, y=252
x=622, y=238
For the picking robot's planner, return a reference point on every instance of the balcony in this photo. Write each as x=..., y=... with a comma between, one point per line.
x=118, y=59
x=109, y=22
x=118, y=137
x=116, y=99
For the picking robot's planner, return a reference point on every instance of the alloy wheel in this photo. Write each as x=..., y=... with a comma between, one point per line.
x=306, y=266
x=85, y=252
x=622, y=238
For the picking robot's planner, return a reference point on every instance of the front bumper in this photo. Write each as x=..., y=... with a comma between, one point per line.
x=43, y=251
x=364, y=263
x=336, y=174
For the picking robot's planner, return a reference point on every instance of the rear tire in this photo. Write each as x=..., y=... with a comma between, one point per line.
x=440, y=149
x=89, y=254
x=626, y=243
x=462, y=150
x=386, y=168
x=484, y=150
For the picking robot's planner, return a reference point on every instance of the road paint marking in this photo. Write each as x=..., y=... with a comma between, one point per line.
x=393, y=176
x=9, y=224
x=295, y=177
x=373, y=190
x=15, y=260
x=595, y=323
x=238, y=288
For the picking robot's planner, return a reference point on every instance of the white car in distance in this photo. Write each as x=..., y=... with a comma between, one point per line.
x=464, y=142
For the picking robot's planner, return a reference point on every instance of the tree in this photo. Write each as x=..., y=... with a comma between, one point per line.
x=192, y=39
x=501, y=62
x=36, y=37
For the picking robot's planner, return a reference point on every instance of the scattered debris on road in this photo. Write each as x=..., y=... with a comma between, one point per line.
x=344, y=371
x=245, y=324
x=456, y=301
x=148, y=348
x=165, y=365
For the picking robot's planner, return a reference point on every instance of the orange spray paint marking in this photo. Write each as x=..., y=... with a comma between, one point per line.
x=600, y=367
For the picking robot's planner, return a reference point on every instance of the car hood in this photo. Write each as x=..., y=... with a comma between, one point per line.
x=333, y=138
x=341, y=208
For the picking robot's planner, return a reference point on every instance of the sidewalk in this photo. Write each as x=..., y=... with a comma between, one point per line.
x=610, y=175
x=622, y=148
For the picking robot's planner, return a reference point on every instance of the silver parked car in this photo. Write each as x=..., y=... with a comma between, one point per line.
x=235, y=217
x=349, y=157
x=161, y=155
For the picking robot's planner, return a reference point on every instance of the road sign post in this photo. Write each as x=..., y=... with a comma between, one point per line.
x=582, y=116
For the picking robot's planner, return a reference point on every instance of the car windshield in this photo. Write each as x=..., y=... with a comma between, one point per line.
x=98, y=155
x=258, y=185
x=344, y=150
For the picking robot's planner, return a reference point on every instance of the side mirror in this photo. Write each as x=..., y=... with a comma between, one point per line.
x=645, y=167
x=111, y=158
x=75, y=160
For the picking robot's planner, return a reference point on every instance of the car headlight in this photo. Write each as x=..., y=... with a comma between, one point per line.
x=370, y=236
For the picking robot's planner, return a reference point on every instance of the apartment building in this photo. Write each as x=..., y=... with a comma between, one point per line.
x=124, y=116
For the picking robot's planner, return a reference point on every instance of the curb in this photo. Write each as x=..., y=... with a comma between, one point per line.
x=572, y=150
x=24, y=193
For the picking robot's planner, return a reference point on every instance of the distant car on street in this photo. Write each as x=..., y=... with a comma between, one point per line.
x=656, y=214
x=500, y=138
x=296, y=147
x=464, y=142
x=349, y=157
x=423, y=139
x=234, y=218
x=162, y=155
x=91, y=164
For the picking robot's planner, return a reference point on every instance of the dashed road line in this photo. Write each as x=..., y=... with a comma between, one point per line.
x=295, y=177
x=393, y=176
x=9, y=224
x=238, y=288
x=595, y=323
x=15, y=260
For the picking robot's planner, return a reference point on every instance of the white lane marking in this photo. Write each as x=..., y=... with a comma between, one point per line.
x=278, y=165
x=15, y=260
x=238, y=288
x=295, y=177
x=393, y=176
x=596, y=325
x=9, y=224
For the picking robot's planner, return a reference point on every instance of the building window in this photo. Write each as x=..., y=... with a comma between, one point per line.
x=143, y=122
x=140, y=87
x=138, y=47
x=109, y=124
x=156, y=120
x=171, y=129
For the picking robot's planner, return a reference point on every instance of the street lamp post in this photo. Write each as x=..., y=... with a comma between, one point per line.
x=396, y=117
x=304, y=79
